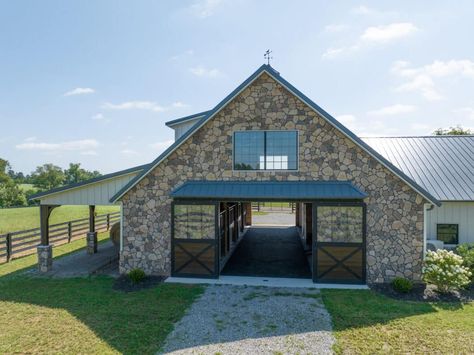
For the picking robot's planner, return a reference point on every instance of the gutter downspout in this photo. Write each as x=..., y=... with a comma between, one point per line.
x=426, y=208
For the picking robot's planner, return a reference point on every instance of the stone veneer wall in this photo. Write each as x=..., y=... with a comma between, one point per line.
x=394, y=210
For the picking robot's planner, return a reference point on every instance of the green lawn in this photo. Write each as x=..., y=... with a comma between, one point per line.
x=84, y=315
x=15, y=219
x=26, y=187
x=366, y=322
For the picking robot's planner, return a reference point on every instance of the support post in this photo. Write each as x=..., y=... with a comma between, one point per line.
x=92, y=234
x=8, y=242
x=248, y=217
x=45, y=250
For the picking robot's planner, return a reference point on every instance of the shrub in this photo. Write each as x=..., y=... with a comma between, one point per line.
x=402, y=285
x=136, y=275
x=445, y=270
x=466, y=251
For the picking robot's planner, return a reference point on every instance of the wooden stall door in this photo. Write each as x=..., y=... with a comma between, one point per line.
x=194, y=242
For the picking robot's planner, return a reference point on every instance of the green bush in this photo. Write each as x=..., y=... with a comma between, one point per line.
x=466, y=251
x=445, y=270
x=402, y=285
x=136, y=275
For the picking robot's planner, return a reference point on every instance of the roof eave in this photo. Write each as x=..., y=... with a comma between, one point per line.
x=101, y=178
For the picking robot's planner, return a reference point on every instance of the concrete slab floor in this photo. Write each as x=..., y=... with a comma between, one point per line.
x=264, y=281
x=79, y=264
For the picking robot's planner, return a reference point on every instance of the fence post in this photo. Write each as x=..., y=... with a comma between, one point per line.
x=108, y=221
x=8, y=241
x=69, y=232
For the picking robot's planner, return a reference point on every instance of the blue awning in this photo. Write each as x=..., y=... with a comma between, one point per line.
x=268, y=190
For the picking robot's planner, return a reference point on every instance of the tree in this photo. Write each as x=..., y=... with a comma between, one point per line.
x=4, y=167
x=76, y=174
x=452, y=131
x=10, y=193
x=48, y=176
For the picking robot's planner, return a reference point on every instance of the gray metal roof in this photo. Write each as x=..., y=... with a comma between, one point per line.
x=268, y=190
x=186, y=118
x=442, y=165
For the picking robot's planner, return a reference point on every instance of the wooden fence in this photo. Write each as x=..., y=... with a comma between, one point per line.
x=22, y=243
x=274, y=206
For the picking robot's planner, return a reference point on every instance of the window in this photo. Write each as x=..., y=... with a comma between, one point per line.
x=266, y=150
x=448, y=233
x=194, y=222
x=340, y=224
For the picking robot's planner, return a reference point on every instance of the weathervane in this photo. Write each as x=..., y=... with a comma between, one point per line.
x=267, y=56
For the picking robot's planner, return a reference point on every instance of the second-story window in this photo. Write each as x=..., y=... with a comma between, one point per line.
x=266, y=150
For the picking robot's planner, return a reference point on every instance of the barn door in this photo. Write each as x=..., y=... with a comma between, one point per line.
x=339, y=247
x=194, y=246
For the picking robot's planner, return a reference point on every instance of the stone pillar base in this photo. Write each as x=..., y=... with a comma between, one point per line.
x=91, y=242
x=45, y=258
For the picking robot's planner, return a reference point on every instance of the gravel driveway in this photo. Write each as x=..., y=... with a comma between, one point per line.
x=250, y=320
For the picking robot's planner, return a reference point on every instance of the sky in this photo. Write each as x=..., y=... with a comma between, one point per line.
x=94, y=82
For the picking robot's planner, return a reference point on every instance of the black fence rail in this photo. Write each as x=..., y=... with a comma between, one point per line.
x=274, y=206
x=22, y=243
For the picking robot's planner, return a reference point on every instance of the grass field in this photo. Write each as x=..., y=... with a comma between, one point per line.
x=15, y=219
x=26, y=187
x=365, y=322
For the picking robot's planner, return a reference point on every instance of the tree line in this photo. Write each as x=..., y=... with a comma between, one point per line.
x=16, y=187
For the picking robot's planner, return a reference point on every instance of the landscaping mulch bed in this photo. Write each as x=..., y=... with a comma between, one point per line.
x=124, y=284
x=425, y=293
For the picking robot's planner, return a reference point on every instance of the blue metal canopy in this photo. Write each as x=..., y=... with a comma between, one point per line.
x=268, y=190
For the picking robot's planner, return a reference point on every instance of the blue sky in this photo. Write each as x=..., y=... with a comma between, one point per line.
x=94, y=81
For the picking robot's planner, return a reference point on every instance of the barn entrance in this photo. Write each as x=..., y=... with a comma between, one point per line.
x=271, y=246
x=213, y=232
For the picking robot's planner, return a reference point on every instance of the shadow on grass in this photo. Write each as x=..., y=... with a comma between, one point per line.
x=135, y=322
x=363, y=308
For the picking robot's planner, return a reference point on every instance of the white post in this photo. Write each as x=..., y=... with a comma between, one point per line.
x=426, y=208
x=121, y=226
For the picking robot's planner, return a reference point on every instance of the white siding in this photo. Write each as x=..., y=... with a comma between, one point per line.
x=461, y=213
x=98, y=193
x=182, y=128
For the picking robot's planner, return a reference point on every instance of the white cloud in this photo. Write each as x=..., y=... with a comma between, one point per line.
x=83, y=145
x=384, y=34
x=30, y=139
x=79, y=91
x=98, y=117
x=335, y=52
x=204, y=72
x=467, y=111
x=336, y=27
x=89, y=152
x=178, y=104
x=396, y=109
x=134, y=105
x=373, y=36
x=422, y=127
x=161, y=146
x=364, y=10
x=183, y=55
x=422, y=79
x=142, y=105
x=346, y=119
x=205, y=8
x=128, y=152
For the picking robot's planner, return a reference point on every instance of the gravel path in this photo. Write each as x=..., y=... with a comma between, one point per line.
x=250, y=320
x=274, y=218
